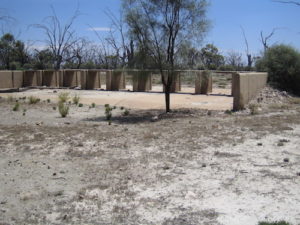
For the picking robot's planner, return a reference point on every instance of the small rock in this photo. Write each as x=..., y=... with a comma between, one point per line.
x=77, y=88
x=54, y=91
x=298, y=174
x=67, y=123
x=204, y=165
x=80, y=144
x=259, y=144
x=166, y=168
x=154, y=119
x=54, y=174
x=280, y=144
x=286, y=160
x=284, y=141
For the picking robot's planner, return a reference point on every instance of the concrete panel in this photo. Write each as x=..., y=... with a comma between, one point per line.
x=17, y=77
x=83, y=79
x=108, y=79
x=51, y=78
x=176, y=82
x=246, y=86
x=6, y=79
x=142, y=80
x=203, y=82
x=115, y=80
x=70, y=78
x=93, y=80
x=32, y=78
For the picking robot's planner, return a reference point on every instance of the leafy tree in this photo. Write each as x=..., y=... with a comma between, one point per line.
x=7, y=46
x=43, y=59
x=160, y=27
x=210, y=56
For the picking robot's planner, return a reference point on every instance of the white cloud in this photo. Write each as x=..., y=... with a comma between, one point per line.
x=99, y=29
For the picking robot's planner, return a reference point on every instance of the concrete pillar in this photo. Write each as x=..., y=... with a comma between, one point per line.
x=71, y=78
x=32, y=78
x=203, y=82
x=141, y=80
x=108, y=79
x=115, y=80
x=6, y=79
x=51, y=78
x=83, y=79
x=93, y=80
x=17, y=77
x=176, y=82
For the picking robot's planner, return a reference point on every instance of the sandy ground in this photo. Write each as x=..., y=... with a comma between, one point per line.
x=191, y=166
x=220, y=99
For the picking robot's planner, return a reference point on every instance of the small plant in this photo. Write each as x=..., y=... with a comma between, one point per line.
x=24, y=112
x=228, y=112
x=48, y=100
x=33, y=100
x=108, y=113
x=122, y=108
x=93, y=105
x=253, y=109
x=126, y=112
x=80, y=105
x=76, y=99
x=54, y=108
x=63, y=109
x=16, y=107
x=63, y=97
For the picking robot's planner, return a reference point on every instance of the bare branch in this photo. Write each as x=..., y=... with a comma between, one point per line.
x=288, y=2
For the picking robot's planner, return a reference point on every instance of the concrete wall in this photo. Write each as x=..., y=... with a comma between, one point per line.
x=141, y=80
x=17, y=77
x=93, y=79
x=176, y=82
x=32, y=78
x=203, y=82
x=51, y=78
x=115, y=80
x=71, y=78
x=245, y=87
x=6, y=79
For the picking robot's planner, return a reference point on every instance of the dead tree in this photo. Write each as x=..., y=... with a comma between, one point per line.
x=248, y=54
x=265, y=39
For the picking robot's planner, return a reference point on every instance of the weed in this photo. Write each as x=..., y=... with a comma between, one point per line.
x=24, y=112
x=16, y=107
x=54, y=108
x=63, y=97
x=108, y=113
x=253, y=109
x=33, y=100
x=80, y=105
x=48, y=100
x=126, y=112
x=274, y=223
x=228, y=112
x=93, y=105
x=76, y=99
x=122, y=108
x=63, y=109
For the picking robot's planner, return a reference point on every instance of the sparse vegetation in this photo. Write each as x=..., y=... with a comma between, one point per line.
x=274, y=223
x=76, y=99
x=80, y=105
x=33, y=100
x=295, y=101
x=63, y=97
x=253, y=109
x=108, y=112
x=63, y=109
x=24, y=112
x=126, y=112
x=48, y=100
x=93, y=105
x=16, y=107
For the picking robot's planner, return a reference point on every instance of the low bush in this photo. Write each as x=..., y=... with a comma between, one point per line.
x=282, y=62
x=274, y=223
x=33, y=100
x=63, y=97
x=16, y=107
x=63, y=109
x=76, y=99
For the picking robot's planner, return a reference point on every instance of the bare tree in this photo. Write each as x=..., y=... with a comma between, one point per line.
x=59, y=37
x=288, y=2
x=248, y=54
x=265, y=39
x=234, y=59
x=159, y=28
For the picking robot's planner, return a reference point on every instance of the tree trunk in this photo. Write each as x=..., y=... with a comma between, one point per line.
x=167, y=98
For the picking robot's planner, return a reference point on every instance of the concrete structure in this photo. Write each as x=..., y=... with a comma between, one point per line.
x=141, y=80
x=115, y=80
x=245, y=87
x=71, y=78
x=176, y=82
x=6, y=79
x=203, y=82
x=32, y=78
x=93, y=79
x=52, y=78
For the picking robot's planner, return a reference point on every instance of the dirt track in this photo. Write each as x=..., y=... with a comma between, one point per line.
x=189, y=167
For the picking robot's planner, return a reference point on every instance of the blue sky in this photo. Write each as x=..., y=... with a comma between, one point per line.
x=226, y=16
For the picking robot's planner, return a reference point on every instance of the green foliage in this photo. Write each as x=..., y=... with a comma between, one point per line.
x=93, y=105
x=283, y=65
x=33, y=100
x=63, y=109
x=274, y=223
x=211, y=57
x=126, y=112
x=76, y=99
x=80, y=105
x=108, y=112
x=16, y=107
x=63, y=97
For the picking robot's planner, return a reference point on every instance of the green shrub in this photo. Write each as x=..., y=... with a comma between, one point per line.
x=126, y=112
x=282, y=62
x=16, y=107
x=48, y=100
x=93, y=105
x=80, y=105
x=76, y=99
x=63, y=109
x=63, y=97
x=108, y=112
x=33, y=100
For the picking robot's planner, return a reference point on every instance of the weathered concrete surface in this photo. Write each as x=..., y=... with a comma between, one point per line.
x=115, y=80
x=246, y=86
x=93, y=79
x=203, y=82
x=176, y=81
x=6, y=80
x=71, y=78
x=141, y=81
x=51, y=78
x=32, y=78
x=17, y=77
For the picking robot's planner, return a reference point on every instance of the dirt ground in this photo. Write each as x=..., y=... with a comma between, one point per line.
x=191, y=166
